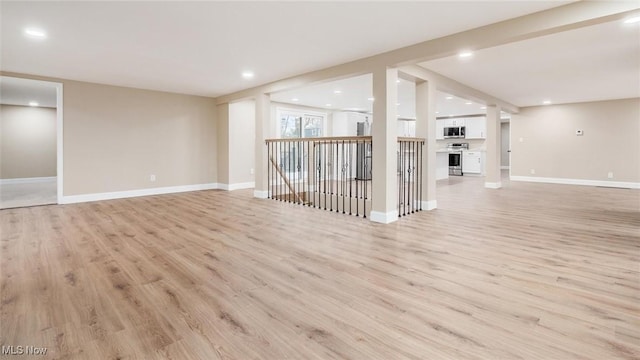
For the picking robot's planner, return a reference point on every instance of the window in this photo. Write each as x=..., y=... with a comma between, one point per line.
x=300, y=124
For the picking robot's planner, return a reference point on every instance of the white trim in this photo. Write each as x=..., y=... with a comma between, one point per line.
x=135, y=193
x=60, y=142
x=604, y=183
x=260, y=194
x=238, y=186
x=384, y=218
x=505, y=167
x=493, y=185
x=429, y=205
x=27, y=180
x=59, y=130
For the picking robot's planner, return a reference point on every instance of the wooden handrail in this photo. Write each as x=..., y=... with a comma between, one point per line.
x=286, y=180
x=339, y=138
x=403, y=138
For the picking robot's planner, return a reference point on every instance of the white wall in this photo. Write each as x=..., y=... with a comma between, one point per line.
x=242, y=116
x=544, y=139
x=27, y=142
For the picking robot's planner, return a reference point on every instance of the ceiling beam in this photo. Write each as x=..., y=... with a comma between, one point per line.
x=567, y=17
x=456, y=88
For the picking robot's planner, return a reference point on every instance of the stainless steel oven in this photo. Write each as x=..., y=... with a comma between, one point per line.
x=455, y=157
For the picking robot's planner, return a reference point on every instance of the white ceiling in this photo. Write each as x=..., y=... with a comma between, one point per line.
x=22, y=91
x=355, y=93
x=599, y=62
x=202, y=47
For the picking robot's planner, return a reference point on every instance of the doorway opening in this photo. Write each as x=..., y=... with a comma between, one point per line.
x=30, y=142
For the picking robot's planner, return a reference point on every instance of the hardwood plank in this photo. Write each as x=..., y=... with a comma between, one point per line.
x=529, y=271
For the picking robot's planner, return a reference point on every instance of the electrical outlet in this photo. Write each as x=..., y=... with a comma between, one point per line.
x=610, y=175
x=579, y=132
x=533, y=171
x=251, y=171
x=152, y=178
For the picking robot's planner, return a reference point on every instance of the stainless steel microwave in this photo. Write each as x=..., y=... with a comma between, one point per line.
x=454, y=132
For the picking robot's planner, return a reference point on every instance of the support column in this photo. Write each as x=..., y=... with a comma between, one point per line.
x=385, y=146
x=222, y=145
x=493, y=179
x=426, y=128
x=263, y=132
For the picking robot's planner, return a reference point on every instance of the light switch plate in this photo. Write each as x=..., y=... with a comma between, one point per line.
x=579, y=132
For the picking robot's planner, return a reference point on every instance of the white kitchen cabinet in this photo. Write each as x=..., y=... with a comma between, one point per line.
x=476, y=128
x=442, y=165
x=406, y=128
x=473, y=162
x=440, y=129
x=454, y=122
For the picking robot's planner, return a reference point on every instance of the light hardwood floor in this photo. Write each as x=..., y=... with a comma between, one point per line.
x=530, y=271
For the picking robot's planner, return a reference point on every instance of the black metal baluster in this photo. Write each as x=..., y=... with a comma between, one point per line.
x=297, y=169
x=324, y=174
x=421, y=173
x=414, y=155
x=350, y=174
x=338, y=176
x=415, y=177
x=358, y=164
x=408, y=146
x=366, y=176
x=306, y=157
x=401, y=159
x=268, y=168
x=316, y=169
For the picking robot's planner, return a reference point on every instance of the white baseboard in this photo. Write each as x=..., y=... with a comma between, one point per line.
x=505, y=167
x=384, y=218
x=603, y=183
x=71, y=199
x=260, y=194
x=430, y=205
x=493, y=185
x=238, y=186
x=27, y=180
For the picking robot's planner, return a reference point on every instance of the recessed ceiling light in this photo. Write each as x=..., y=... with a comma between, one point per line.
x=398, y=81
x=465, y=54
x=437, y=112
x=370, y=99
x=449, y=97
x=632, y=20
x=328, y=105
x=483, y=108
x=35, y=33
x=337, y=91
x=247, y=75
x=33, y=103
x=294, y=99
x=468, y=103
x=546, y=102
x=397, y=104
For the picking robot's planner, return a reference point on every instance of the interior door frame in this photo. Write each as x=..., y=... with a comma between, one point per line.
x=59, y=132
